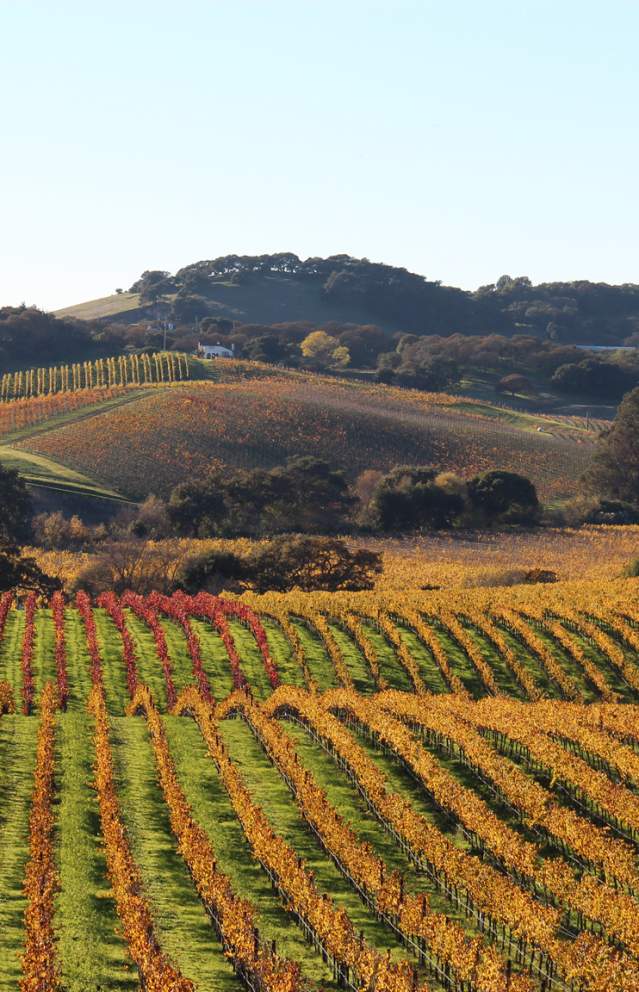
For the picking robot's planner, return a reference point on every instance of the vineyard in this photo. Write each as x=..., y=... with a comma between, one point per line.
x=294, y=792
x=103, y=373
x=255, y=416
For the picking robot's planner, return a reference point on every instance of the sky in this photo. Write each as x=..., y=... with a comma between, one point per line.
x=462, y=140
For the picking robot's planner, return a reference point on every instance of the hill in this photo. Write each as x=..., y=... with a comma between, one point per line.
x=252, y=415
x=118, y=304
x=278, y=288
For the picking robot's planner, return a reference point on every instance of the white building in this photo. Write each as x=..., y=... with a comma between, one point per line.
x=215, y=351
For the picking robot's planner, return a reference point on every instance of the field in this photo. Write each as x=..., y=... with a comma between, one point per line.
x=308, y=791
x=245, y=419
x=119, y=304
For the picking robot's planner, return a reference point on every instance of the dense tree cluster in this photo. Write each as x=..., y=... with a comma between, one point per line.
x=308, y=496
x=607, y=381
x=415, y=497
x=29, y=337
x=305, y=495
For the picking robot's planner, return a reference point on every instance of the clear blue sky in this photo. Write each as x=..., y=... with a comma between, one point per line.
x=458, y=138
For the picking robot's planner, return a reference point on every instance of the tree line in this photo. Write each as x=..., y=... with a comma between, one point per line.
x=580, y=311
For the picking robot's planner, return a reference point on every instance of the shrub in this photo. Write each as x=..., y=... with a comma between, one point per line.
x=612, y=512
x=540, y=575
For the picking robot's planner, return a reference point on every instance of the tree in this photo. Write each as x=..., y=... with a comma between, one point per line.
x=410, y=498
x=364, y=343
x=270, y=348
x=309, y=495
x=504, y=496
x=54, y=531
x=615, y=469
x=310, y=563
x=15, y=518
x=324, y=351
x=19, y=572
x=602, y=380
x=515, y=383
x=306, y=494
x=196, y=507
x=142, y=566
x=432, y=375
x=306, y=563
x=214, y=572
x=152, y=284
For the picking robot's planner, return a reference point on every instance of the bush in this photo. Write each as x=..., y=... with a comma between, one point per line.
x=540, y=575
x=613, y=512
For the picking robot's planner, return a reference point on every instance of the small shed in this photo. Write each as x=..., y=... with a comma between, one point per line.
x=214, y=351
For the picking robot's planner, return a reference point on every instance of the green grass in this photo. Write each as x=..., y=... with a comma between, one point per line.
x=113, y=667
x=317, y=660
x=149, y=667
x=214, y=812
x=401, y=781
x=44, y=669
x=529, y=660
x=354, y=660
x=78, y=661
x=41, y=471
x=459, y=662
x=182, y=924
x=72, y=416
x=428, y=668
x=17, y=764
x=289, y=670
x=587, y=693
x=181, y=664
x=251, y=659
x=11, y=652
x=93, y=955
x=215, y=660
x=603, y=663
x=270, y=792
x=45, y=472
x=346, y=798
x=390, y=667
x=504, y=678
x=104, y=306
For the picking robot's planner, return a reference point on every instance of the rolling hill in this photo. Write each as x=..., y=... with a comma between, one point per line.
x=251, y=415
